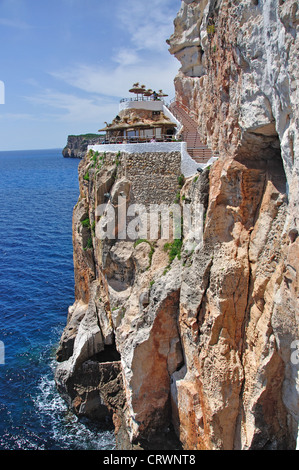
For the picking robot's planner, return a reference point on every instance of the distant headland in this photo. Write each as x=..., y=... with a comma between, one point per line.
x=76, y=146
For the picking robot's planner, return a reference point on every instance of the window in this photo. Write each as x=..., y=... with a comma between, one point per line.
x=131, y=133
x=146, y=132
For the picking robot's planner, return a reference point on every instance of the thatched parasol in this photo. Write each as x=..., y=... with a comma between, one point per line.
x=148, y=92
x=138, y=89
x=161, y=94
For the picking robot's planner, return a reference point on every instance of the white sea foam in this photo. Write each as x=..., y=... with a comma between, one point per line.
x=65, y=429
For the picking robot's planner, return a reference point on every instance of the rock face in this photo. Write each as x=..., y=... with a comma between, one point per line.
x=76, y=146
x=198, y=350
x=239, y=76
x=109, y=328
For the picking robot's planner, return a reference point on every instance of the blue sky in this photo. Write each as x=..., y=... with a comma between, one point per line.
x=65, y=64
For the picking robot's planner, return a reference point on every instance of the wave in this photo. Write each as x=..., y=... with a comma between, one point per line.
x=64, y=429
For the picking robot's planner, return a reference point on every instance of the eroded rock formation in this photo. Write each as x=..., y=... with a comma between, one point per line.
x=238, y=77
x=198, y=351
x=76, y=146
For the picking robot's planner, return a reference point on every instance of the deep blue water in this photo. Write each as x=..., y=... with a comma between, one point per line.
x=38, y=190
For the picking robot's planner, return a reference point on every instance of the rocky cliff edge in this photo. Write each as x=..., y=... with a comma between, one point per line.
x=193, y=344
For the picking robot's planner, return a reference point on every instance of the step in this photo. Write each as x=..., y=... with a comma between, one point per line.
x=196, y=149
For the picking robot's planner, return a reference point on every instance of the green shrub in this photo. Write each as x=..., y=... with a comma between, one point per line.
x=86, y=176
x=173, y=249
x=117, y=159
x=181, y=180
x=88, y=244
x=150, y=256
x=86, y=222
x=177, y=198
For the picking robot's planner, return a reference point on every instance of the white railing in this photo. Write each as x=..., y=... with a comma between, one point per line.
x=142, y=98
x=137, y=140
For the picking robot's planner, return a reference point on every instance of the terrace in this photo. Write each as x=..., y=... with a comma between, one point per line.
x=146, y=124
x=142, y=119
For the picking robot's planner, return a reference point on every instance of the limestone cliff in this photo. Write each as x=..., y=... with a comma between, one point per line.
x=198, y=349
x=76, y=146
x=239, y=76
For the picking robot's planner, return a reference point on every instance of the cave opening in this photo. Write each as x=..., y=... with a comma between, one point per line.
x=261, y=150
x=109, y=354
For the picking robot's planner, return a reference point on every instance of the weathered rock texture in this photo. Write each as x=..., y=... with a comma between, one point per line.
x=202, y=347
x=108, y=328
x=240, y=297
x=76, y=146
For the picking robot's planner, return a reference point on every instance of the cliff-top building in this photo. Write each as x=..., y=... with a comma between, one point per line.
x=141, y=119
x=146, y=124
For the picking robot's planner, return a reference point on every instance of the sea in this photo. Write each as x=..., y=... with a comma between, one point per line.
x=38, y=190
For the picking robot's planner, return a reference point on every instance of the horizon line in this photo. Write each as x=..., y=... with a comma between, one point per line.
x=29, y=150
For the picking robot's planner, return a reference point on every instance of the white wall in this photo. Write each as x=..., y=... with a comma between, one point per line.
x=169, y=114
x=188, y=165
x=148, y=105
x=138, y=148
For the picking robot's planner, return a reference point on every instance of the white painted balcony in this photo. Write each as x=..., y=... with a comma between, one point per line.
x=150, y=105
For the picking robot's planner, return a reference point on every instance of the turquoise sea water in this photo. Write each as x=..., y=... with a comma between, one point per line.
x=38, y=190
